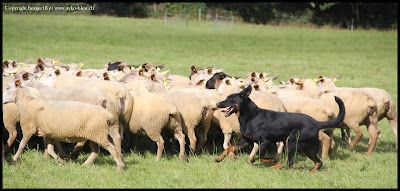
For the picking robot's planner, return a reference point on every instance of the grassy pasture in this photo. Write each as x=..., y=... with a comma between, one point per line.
x=360, y=58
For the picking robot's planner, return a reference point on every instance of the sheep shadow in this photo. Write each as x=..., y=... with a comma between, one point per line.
x=383, y=146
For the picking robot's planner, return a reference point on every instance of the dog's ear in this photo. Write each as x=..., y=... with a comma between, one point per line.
x=246, y=92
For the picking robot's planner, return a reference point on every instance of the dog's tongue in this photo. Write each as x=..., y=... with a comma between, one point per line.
x=227, y=111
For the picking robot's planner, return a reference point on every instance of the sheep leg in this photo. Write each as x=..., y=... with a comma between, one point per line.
x=392, y=117
x=280, y=146
x=374, y=134
x=205, y=124
x=192, y=138
x=356, y=139
x=181, y=139
x=46, y=151
x=77, y=148
x=12, y=135
x=93, y=155
x=253, y=153
x=50, y=149
x=24, y=141
x=227, y=139
x=117, y=156
x=326, y=144
x=60, y=149
x=116, y=137
x=156, y=137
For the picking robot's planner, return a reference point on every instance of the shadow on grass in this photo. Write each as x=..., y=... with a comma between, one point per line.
x=383, y=146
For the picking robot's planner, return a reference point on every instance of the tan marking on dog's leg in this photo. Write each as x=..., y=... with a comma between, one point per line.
x=316, y=167
x=326, y=144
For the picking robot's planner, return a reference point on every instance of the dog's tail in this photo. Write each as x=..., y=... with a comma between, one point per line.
x=338, y=120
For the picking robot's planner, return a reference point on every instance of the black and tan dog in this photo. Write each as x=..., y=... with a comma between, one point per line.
x=267, y=127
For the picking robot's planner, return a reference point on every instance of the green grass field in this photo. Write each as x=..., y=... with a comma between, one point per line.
x=360, y=58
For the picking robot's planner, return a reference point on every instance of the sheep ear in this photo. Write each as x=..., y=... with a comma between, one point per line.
x=153, y=77
x=160, y=66
x=40, y=61
x=79, y=73
x=57, y=72
x=105, y=76
x=200, y=82
x=291, y=80
x=253, y=74
x=25, y=76
x=252, y=79
x=193, y=68
x=144, y=65
x=246, y=92
x=256, y=87
x=18, y=83
x=227, y=82
x=14, y=64
x=261, y=76
x=5, y=63
x=209, y=70
x=104, y=104
x=141, y=71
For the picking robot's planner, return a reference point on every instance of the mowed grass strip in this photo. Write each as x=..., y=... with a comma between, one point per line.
x=360, y=58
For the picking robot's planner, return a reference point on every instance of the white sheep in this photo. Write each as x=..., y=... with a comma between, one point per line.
x=153, y=112
x=58, y=121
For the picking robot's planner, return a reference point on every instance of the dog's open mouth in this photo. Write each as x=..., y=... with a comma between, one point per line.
x=228, y=110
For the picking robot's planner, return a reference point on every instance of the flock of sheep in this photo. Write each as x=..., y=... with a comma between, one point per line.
x=63, y=102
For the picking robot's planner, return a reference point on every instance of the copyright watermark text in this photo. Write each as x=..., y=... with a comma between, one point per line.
x=48, y=8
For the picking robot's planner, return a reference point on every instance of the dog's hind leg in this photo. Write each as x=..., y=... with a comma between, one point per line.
x=311, y=151
x=326, y=144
